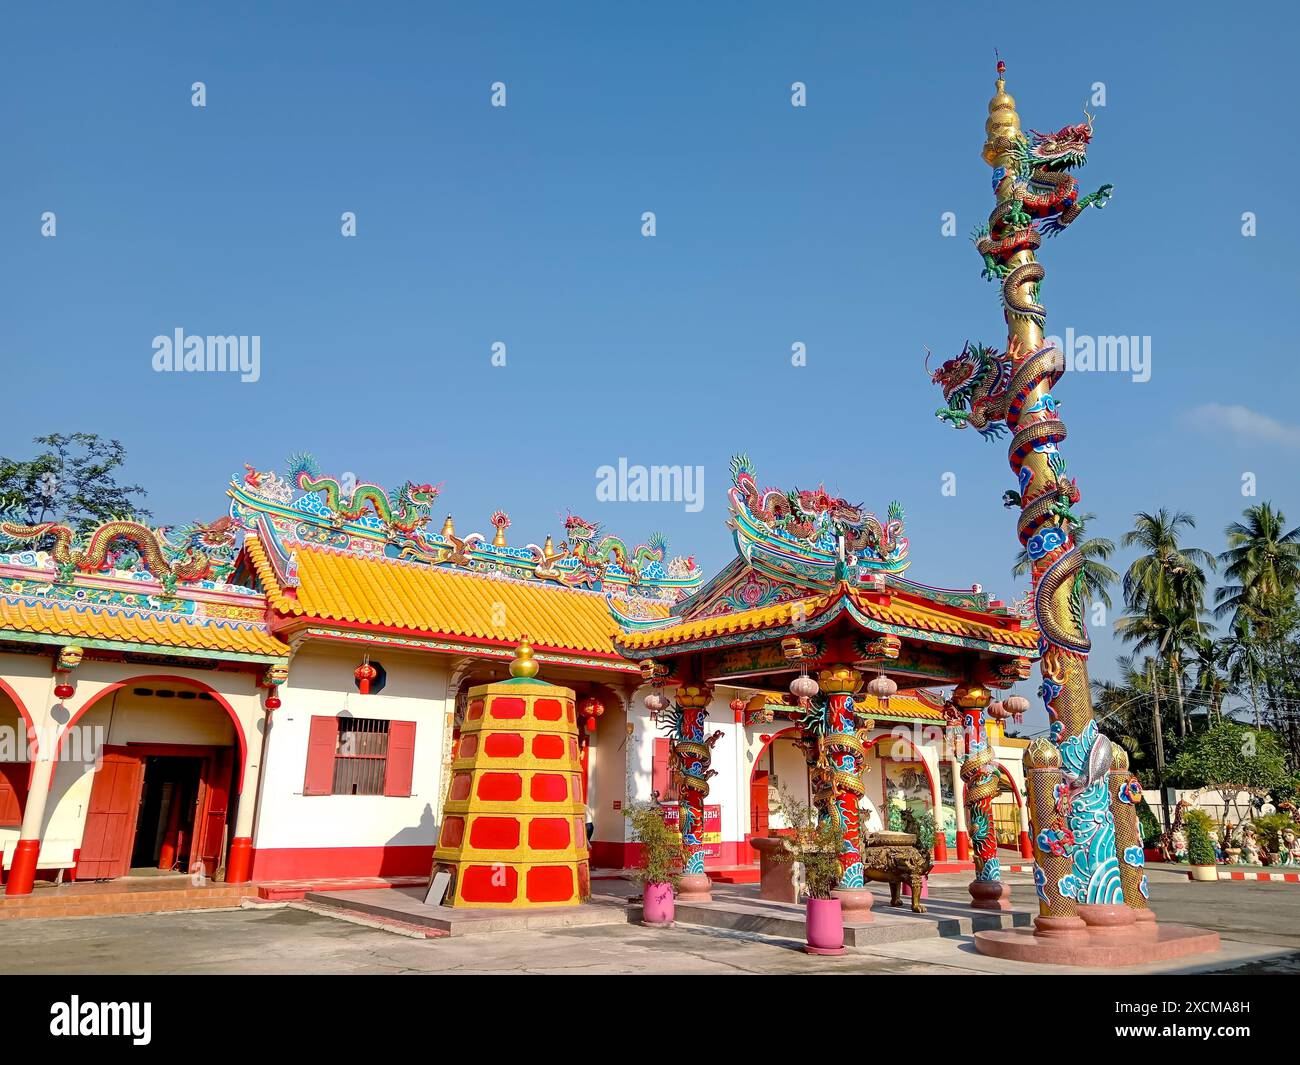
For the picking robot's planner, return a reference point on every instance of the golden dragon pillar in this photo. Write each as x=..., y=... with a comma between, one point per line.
x=997, y=393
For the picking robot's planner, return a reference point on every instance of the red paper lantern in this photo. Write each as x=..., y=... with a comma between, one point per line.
x=365, y=673
x=273, y=702
x=1017, y=705
x=64, y=691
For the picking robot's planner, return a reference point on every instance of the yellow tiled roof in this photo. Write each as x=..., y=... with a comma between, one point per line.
x=935, y=619
x=755, y=620
x=340, y=586
x=90, y=622
x=910, y=615
x=900, y=705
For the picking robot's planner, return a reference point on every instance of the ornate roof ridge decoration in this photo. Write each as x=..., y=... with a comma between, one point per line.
x=308, y=508
x=198, y=554
x=811, y=538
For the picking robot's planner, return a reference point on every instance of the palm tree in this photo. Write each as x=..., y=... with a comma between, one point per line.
x=1209, y=685
x=1097, y=577
x=1242, y=655
x=1170, y=634
x=1167, y=573
x=1262, y=561
x=1164, y=589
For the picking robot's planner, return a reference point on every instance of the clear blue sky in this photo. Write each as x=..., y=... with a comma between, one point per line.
x=522, y=225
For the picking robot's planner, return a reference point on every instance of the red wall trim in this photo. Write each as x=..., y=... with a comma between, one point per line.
x=303, y=863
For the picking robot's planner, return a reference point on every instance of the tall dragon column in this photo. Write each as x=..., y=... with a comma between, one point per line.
x=838, y=782
x=1046, y=531
x=690, y=752
x=979, y=775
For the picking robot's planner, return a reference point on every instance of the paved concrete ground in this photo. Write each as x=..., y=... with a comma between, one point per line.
x=1259, y=921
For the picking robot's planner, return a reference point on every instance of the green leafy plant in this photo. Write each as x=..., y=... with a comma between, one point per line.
x=1198, y=817
x=1269, y=829
x=1199, y=849
x=1148, y=825
x=922, y=825
x=661, y=848
x=815, y=843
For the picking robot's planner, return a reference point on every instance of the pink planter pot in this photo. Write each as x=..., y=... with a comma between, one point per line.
x=825, y=927
x=658, y=907
x=925, y=888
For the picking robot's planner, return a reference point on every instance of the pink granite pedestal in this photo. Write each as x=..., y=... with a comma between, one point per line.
x=694, y=887
x=1103, y=936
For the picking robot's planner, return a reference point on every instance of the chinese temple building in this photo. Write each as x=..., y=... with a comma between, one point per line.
x=281, y=694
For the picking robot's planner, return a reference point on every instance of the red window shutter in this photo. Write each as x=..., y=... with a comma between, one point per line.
x=401, y=758
x=322, y=742
x=13, y=792
x=660, y=778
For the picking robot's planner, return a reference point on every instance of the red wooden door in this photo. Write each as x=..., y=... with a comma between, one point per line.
x=758, y=820
x=110, y=821
x=214, y=806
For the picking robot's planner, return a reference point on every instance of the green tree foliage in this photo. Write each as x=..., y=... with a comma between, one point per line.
x=661, y=848
x=72, y=480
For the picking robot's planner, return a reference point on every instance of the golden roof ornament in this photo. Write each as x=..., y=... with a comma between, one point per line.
x=448, y=528
x=1002, y=130
x=524, y=666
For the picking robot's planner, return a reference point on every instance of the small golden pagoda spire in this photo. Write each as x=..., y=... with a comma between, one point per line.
x=448, y=528
x=524, y=666
x=548, y=548
x=1002, y=130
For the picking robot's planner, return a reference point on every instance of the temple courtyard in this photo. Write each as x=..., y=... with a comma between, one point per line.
x=1259, y=923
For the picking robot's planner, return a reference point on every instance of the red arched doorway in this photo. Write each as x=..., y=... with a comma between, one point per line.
x=162, y=799
x=16, y=771
x=763, y=777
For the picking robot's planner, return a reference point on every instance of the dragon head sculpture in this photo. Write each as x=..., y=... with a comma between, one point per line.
x=1065, y=149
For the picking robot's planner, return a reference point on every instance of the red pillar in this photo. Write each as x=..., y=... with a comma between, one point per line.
x=239, y=864
x=22, y=870
x=1026, y=845
x=963, y=847
x=940, y=846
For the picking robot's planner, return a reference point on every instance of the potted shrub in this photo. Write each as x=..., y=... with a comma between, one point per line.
x=659, y=866
x=815, y=845
x=1200, y=852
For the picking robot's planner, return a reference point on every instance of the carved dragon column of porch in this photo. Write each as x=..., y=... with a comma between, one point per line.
x=979, y=776
x=691, y=751
x=838, y=780
x=1125, y=794
x=1046, y=530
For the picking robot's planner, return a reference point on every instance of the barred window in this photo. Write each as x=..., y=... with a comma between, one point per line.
x=361, y=757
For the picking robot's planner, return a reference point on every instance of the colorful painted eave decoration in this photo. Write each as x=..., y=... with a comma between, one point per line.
x=126, y=586
x=308, y=508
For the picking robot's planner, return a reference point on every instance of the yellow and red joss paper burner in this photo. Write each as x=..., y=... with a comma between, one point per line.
x=514, y=825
